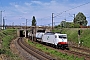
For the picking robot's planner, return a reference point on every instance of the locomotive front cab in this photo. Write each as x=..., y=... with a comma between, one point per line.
x=62, y=40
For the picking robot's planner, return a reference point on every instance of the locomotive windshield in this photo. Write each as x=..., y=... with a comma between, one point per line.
x=63, y=36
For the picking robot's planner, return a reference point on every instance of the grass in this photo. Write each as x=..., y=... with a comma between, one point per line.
x=53, y=53
x=7, y=36
x=85, y=37
x=72, y=34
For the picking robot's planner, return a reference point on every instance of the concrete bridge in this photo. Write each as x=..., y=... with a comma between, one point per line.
x=25, y=27
x=32, y=29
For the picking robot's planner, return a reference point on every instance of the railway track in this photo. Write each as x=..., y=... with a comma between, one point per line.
x=75, y=53
x=36, y=53
x=86, y=56
x=80, y=49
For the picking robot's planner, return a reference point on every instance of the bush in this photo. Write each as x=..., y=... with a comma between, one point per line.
x=2, y=51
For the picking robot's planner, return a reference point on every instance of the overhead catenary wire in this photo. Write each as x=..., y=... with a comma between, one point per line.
x=71, y=9
x=58, y=15
x=64, y=11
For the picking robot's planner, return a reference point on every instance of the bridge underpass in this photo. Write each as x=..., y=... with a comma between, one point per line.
x=22, y=33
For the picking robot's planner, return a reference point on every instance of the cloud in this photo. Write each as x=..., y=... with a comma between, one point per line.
x=42, y=11
x=36, y=2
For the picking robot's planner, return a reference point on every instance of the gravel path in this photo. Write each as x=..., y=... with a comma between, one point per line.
x=20, y=52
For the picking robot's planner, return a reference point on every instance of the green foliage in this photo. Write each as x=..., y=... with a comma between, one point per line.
x=6, y=41
x=72, y=34
x=67, y=25
x=54, y=53
x=76, y=26
x=85, y=37
x=63, y=23
x=2, y=51
x=33, y=21
x=7, y=36
x=57, y=26
x=80, y=19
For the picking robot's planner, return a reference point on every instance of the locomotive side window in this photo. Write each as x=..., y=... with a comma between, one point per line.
x=63, y=36
x=60, y=36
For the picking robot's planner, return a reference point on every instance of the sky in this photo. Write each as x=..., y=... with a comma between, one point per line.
x=15, y=12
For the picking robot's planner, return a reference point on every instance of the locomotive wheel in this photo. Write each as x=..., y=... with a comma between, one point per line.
x=53, y=46
x=62, y=47
x=56, y=46
x=47, y=44
x=67, y=48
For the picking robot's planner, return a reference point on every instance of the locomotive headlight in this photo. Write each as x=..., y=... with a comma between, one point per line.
x=62, y=40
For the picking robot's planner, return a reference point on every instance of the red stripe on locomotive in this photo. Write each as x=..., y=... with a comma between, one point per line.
x=62, y=43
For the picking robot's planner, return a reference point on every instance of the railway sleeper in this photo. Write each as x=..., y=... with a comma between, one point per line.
x=35, y=50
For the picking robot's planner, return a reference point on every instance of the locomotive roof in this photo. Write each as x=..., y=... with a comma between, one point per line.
x=49, y=33
x=52, y=33
x=59, y=34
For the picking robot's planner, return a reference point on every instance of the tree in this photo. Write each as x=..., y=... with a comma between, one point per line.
x=63, y=23
x=69, y=25
x=80, y=19
x=33, y=21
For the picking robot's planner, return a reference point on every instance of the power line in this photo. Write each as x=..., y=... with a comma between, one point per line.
x=72, y=8
x=65, y=11
x=45, y=17
x=78, y=6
